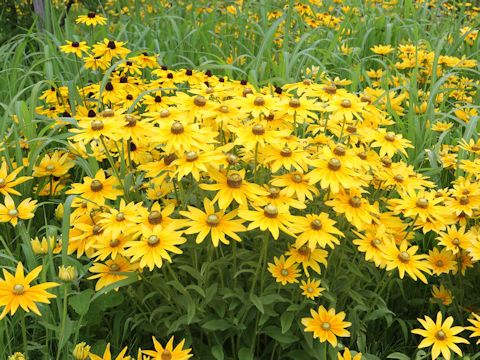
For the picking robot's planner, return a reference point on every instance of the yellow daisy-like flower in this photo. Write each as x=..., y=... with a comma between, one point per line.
x=442, y=261
x=455, y=239
x=443, y=294
x=8, y=181
x=405, y=260
x=107, y=355
x=16, y=291
x=315, y=230
x=111, y=272
x=91, y=19
x=168, y=352
x=326, y=325
x=476, y=326
x=333, y=174
x=123, y=220
x=389, y=143
x=11, y=213
x=110, y=49
x=216, y=223
x=154, y=246
x=348, y=356
x=296, y=183
x=382, y=49
x=285, y=271
x=75, y=47
x=441, y=335
x=269, y=218
x=311, y=288
x=56, y=164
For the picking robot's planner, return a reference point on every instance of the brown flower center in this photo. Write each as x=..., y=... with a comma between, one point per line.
x=476, y=147
x=232, y=159
x=18, y=289
x=464, y=200
x=131, y=120
x=168, y=159
x=96, y=125
x=439, y=263
x=294, y=103
x=366, y=98
x=191, y=156
x=224, y=109
x=177, y=128
x=390, y=136
x=164, y=113
x=111, y=45
x=247, y=91
x=334, y=164
x=355, y=201
x=375, y=242
x=120, y=216
x=307, y=82
x=155, y=217
x=2, y=182
x=199, y=101
x=304, y=250
x=259, y=101
x=258, y=129
x=346, y=103
x=422, y=203
x=12, y=213
x=440, y=335
x=339, y=150
x=316, y=224
x=351, y=129
x=108, y=113
x=75, y=44
x=330, y=89
x=166, y=355
x=114, y=243
x=91, y=14
x=398, y=178
x=153, y=240
x=213, y=220
x=326, y=326
x=96, y=185
x=286, y=152
x=274, y=192
x=114, y=267
x=404, y=257
x=270, y=211
x=297, y=178
x=386, y=161
x=456, y=241
x=362, y=155
x=234, y=180
x=96, y=229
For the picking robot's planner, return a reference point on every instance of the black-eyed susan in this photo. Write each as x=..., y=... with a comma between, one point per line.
x=405, y=259
x=154, y=246
x=216, y=223
x=327, y=325
x=91, y=19
x=475, y=329
x=16, y=291
x=441, y=293
x=111, y=272
x=284, y=271
x=107, y=355
x=11, y=213
x=75, y=47
x=110, y=49
x=9, y=180
x=440, y=335
x=315, y=230
x=347, y=355
x=289, y=158
x=169, y=352
x=371, y=244
x=356, y=209
x=56, y=164
x=423, y=205
x=311, y=288
x=442, y=261
x=332, y=174
x=269, y=218
x=455, y=239
x=308, y=257
x=123, y=220
x=296, y=184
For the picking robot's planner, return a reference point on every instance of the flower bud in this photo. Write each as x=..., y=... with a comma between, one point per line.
x=66, y=273
x=59, y=212
x=81, y=351
x=17, y=356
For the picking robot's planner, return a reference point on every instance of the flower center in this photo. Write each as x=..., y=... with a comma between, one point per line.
x=304, y=250
x=91, y=15
x=464, y=200
x=366, y=98
x=75, y=44
x=164, y=113
x=274, y=192
x=351, y=129
x=297, y=178
x=326, y=326
x=168, y=159
x=114, y=267
x=96, y=125
x=375, y=242
x=310, y=289
x=18, y=289
x=422, y=203
x=209, y=90
x=259, y=101
x=158, y=99
x=232, y=159
x=307, y=82
x=120, y=216
x=270, y=211
x=404, y=257
x=96, y=229
x=398, y=178
x=153, y=240
x=13, y=213
x=476, y=147
x=234, y=180
x=294, y=103
x=247, y=91
x=362, y=155
x=456, y=241
x=316, y=224
x=284, y=272
x=96, y=185
x=355, y=201
x=286, y=152
x=390, y=136
x=334, y=164
x=330, y=89
x=111, y=45
x=386, y=161
x=50, y=168
x=155, y=217
x=224, y=109
x=440, y=335
x=346, y=103
x=199, y=101
x=339, y=150
x=191, y=156
x=177, y=128
x=108, y=112
x=2, y=182
x=439, y=263
x=131, y=121
x=213, y=220
x=166, y=355
x=114, y=243
x=258, y=129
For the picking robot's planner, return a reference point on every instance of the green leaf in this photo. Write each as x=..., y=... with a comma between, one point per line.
x=399, y=356
x=217, y=352
x=81, y=302
x=245, y=354
x=256, y=301
x=276, y=334
x=286, y=321
x=219, y=324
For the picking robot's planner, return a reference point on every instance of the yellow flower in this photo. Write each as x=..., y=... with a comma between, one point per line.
x=269, y=218
x=315, y=230
x=382, y=49
x=55, y=165
x=311, y=288
x=17, y=356
x=110, y=49
x=91, y=19
x=442, y=294
x=8, y=181
x=107, y=355
x=44, y=246
x=75, y=47
x=16, y=291
x=405, y=259
x=285, y=271
x=348, y=356
x=111, y=272
x=81, y=351
x=168, y=352
x=10, y=213
x=476, y=326
x=441, y=335
x=326, y=325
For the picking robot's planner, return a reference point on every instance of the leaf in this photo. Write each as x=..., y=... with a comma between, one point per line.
x=256, y=301
x=276, y=334
x=379, y=313
x=245, y=354
x=399, y=356
x=81, y=302
x=219, y=324
x=217, y=352
x=286, y=321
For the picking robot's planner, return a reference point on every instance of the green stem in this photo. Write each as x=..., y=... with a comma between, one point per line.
x=260, y=262
x=24, y=334
x=64, y=317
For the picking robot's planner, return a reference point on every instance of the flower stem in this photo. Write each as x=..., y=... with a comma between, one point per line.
x=64, y=317
x=24, y=334
x=260, y=263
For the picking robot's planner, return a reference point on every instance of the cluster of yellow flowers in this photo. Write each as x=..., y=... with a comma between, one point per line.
x=184, y=155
